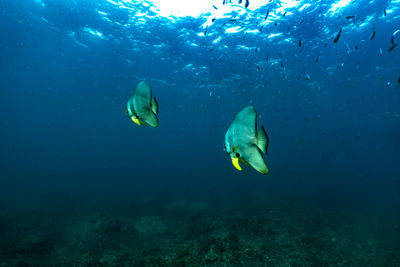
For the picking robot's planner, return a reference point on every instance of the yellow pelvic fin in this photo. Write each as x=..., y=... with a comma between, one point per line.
x=235, y=162
x=137, y=121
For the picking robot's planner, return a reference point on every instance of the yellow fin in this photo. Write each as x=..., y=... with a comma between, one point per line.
x=137, y=121
x=235, y=162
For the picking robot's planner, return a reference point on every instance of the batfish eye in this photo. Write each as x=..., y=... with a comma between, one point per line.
x=237, y=155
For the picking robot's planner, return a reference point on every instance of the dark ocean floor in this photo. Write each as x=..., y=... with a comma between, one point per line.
x=256, y=231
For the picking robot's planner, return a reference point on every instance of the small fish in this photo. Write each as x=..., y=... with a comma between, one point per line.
x=372, y=35
x=349, y=17
x=308, y=77
x=257, y=66
x=384, y=11
x=215, y=7
x=266, y=16
x=213, y=19
x=247, y=4
x=391, y=48
x=262, y=26
x=284, y=14
x=393, y=35
x=317, y=59
x=337, y=36
x=267, y=59
x=205, y=32
x=302, y=20
x=355, y=48
x=299, y=43
x=398, y=80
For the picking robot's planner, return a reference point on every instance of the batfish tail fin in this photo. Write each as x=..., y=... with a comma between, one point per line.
x=154, y=105
x=262, y=140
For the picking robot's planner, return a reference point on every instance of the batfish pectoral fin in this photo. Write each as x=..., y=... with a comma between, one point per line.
x=244, y=162
x=235, y=162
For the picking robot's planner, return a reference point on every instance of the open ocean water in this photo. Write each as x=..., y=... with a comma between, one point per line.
x=82, y=185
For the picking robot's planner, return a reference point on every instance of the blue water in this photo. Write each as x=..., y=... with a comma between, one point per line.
x=69, y=153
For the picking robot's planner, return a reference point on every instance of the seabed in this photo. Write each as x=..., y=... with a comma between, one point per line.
x=173, y=232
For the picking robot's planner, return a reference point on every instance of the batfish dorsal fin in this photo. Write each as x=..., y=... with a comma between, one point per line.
x=142, y=96
x=247, y=119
